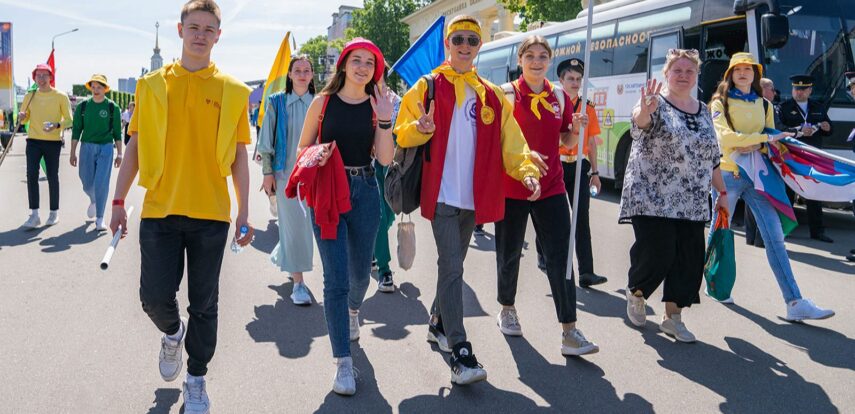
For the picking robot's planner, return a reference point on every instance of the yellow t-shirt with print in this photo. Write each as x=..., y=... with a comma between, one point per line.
x=41, y=107
x=191, y=184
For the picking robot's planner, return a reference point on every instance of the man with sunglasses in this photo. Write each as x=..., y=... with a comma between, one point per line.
x=471, y=137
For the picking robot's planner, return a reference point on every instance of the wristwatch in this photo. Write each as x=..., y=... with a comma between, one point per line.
x=593, y=173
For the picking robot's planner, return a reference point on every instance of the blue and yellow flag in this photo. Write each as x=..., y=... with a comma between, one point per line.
x=278, y=74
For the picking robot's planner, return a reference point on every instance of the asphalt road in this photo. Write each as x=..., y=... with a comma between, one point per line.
x=75, y=339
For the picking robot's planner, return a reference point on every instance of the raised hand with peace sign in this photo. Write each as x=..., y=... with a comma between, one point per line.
x=425, y=122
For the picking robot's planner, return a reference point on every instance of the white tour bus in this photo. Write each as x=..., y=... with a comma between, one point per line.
x=630, y=40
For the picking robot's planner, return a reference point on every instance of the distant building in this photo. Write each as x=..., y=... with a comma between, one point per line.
x=493, y=16
x=128, y=85
x=342, y=19
x=156, y=59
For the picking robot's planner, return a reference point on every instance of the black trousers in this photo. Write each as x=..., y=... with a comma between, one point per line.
x=752, y=232
x=551, y=218
x=814, y=214
x=584, y=251
x=668, y=250
x=163, y=245
x=49, y=150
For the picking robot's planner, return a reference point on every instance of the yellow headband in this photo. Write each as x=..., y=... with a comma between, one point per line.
x=463, y=25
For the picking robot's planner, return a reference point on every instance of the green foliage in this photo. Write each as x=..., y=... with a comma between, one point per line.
x=380, y=21
x=316, y=48
x=548, y=10
x=120, y=98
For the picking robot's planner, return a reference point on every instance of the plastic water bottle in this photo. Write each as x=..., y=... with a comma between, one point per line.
x=594, y=191
x=236, y=248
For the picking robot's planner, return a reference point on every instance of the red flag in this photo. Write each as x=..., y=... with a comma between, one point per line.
x=52, y=64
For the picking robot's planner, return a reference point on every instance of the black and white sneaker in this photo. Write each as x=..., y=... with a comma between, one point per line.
x=385, y=283
x=437, y=335
x=465, y=368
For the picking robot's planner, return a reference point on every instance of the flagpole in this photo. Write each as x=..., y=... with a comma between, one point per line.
x=580, y=146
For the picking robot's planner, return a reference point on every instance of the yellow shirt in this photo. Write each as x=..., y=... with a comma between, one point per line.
x=44, y=107
x=191, y=184
x=747, y=128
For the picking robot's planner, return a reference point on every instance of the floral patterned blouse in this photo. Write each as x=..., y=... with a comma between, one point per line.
x=669, y=172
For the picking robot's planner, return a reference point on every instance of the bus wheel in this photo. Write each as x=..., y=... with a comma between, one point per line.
x=621, y=158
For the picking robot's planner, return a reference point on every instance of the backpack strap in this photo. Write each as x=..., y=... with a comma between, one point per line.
x=83, y=114
x=321, y=117
x=559, y=95
x=511, y=92
x=429, y=95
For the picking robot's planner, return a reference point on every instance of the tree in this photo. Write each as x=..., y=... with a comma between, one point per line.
x=548, y=10
x=380, y=21
x=316, y=49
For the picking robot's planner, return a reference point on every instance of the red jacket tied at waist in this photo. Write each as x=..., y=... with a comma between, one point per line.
x=325, y=188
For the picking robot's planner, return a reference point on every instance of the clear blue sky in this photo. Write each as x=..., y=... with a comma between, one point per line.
x=116, y=37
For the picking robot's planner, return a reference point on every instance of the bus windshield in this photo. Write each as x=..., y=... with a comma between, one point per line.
x=821, y=44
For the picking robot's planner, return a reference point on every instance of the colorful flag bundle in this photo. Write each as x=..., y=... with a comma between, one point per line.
x=814, y=174
x=758, y=168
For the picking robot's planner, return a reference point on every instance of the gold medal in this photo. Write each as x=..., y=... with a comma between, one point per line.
x=487, y=115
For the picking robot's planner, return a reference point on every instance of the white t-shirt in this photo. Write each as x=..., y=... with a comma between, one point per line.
x=459, y=168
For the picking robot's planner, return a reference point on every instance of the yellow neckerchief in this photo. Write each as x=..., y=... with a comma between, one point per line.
x=460, y=80
x=538, y=98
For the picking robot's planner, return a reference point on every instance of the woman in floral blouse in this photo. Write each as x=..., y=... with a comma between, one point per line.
x=673, y=160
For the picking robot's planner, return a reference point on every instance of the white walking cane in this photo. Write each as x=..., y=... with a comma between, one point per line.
x=584, y=105
x=108, y=255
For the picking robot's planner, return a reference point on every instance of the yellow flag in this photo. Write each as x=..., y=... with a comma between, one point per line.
x=278, y=74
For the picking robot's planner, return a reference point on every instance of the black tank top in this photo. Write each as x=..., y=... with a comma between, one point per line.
x=352, y=128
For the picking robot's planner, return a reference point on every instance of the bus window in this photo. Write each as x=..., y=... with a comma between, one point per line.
x=572, y=45
x=493, y=64
x=631, y=39
x=721, y=41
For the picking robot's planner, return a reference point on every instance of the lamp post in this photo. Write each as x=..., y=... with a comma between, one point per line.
x=61, y=34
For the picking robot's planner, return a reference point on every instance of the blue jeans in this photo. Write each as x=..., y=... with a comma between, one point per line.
x=770, y=228
x=347, y=260
x=95, y=166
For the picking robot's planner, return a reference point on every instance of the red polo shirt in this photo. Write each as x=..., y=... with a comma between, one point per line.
x=542, y=136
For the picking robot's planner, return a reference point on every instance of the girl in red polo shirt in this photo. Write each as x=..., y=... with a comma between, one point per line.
x=544, y=119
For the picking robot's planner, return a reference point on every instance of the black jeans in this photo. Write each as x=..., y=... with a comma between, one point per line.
x=668, y=250
x=36, y=149
x=163, y=245
x=551, y=219
x=584, y=253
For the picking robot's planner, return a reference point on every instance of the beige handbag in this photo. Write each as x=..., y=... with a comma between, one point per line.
x=406, y=243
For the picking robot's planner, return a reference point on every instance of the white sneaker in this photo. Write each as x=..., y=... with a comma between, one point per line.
x=465, y=368
x=33, y=222
x=573, y=343
x=172, y=354
x=675, y=327
x=436, y=336
x=99, y=224
x=635, y=308
x=90, y=212
x=509, y=322
x=354, y=326
x=344, y=382
x=801, y=309
x=196, y=397
x=300, y=294
x=728, y=301
x=53, y=218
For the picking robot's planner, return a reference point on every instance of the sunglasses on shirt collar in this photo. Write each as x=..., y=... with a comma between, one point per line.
x=458, y=40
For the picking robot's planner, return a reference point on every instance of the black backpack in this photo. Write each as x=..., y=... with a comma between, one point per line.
x=403, y=185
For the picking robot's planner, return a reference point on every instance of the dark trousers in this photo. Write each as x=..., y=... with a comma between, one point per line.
x=551, y=219
x=163, y=245
x=814, y=214
x=667, y=250
x=584, y=252
x=752, y=232
x=49, y=150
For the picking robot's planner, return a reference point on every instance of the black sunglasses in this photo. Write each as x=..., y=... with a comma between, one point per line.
x=458, y=40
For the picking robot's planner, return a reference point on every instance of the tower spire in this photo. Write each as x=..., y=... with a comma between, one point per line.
x=156, y=59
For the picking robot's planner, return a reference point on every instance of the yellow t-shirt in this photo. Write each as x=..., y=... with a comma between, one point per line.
x=191, y=184
x=44, y=107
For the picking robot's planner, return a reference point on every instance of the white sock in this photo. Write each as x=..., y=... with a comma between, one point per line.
x=54, y=212
x=177, y=336
x=34, y=212
x=194, y=379
x=344, y=360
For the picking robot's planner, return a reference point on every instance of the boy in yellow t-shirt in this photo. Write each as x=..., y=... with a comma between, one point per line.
x=48, y=112
x=188, y=133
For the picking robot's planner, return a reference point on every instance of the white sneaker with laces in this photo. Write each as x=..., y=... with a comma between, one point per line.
x=635, y=308
x=195, y=396
x=300, y=294
x=90, y=212
x=675, y=327
x=801, y=309
x=574, y=343
x=33, y=222
x=354, y=325
x=344, y=382
x=53, y=218
x=509, y=322
x=172, y=354
x=99, y=224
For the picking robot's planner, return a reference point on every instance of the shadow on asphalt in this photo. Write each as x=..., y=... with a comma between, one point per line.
x=292, y=328
x=824, y=346
x=389, y=315
x=164, y=399
x=485, y=242
x=749, y=379
x=20, y=236
x=265, y=240
x=66, y=240
x=368, y=398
